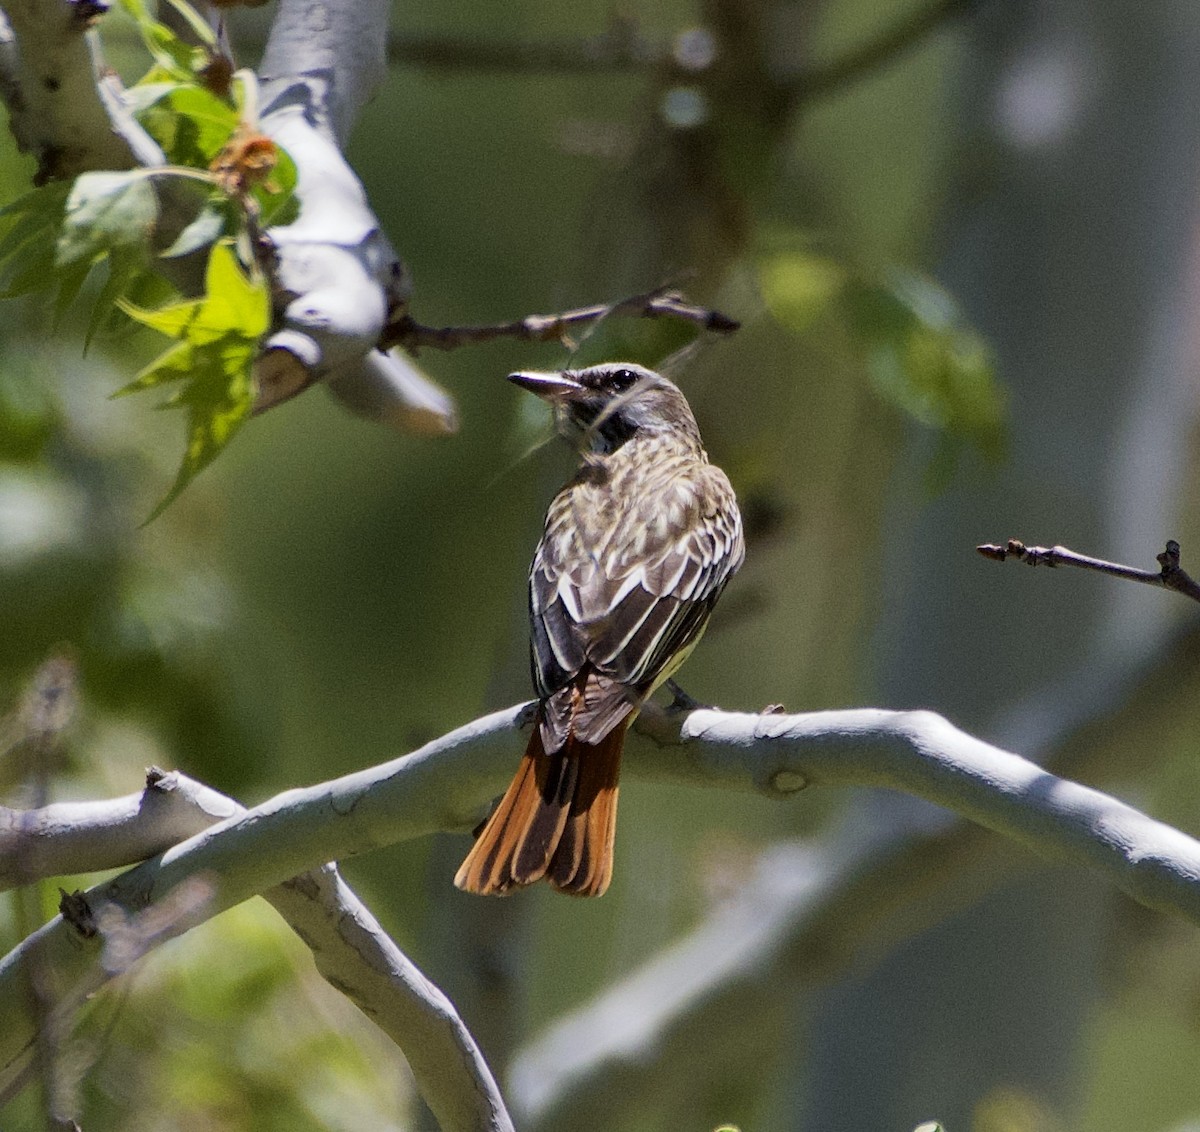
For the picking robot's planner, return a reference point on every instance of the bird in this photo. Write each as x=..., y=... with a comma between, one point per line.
x=636, y=550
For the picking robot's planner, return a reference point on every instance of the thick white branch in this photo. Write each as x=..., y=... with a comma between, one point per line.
x=358, y=957
x=323, y=61
x=84, y=837
x=329, y=56
x=445, y=784
x=352, y=951
x=50, y=89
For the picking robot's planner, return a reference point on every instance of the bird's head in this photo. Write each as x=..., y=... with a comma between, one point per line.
x=606, y=405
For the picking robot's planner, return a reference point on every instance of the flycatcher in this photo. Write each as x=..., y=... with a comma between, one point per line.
x=636, y=550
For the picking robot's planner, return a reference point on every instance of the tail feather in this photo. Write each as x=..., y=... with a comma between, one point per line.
x=555, y=781
x=556, y=820
x=583, y=861
x=518, y=840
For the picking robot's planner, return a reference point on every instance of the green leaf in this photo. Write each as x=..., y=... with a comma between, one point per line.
x=280, y=206
x=218, y=340
x=173, y=320
x=206, y=229
x=105, y=211
x=190, y=124
x=922, y=357
x=70, y=283
x=800, y=286
x=28, y=230
x=35, y=213
x=177, y=364
x=233, y=299
x=173, y=57
x=233, y=303
x=125, y=270
x=34, y=271
x=218, y=399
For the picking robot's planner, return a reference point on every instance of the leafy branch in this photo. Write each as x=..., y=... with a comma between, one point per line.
x=219, y=183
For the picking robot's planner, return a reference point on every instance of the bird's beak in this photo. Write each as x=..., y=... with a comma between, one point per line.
x=548, y=386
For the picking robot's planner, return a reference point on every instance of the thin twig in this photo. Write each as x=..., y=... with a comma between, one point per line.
x=412, y=335
x=1170, y=577
x=883, y=49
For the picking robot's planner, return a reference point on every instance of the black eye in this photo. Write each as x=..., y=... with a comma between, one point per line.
x=623, y=379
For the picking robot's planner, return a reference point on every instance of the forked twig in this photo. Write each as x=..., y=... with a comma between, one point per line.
x=1170, y=576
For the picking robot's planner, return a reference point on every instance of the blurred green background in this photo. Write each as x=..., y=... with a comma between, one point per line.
x=967, y=279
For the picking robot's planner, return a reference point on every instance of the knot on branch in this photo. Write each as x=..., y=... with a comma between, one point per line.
x=77, y=911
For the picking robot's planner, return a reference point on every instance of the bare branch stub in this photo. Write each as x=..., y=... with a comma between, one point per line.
x=1171, y=576
x=406, y=332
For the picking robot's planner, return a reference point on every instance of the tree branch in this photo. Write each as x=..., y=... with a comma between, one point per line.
x=445, y=784
x=335, y=271
x=352, y=951
x=1170, y=576
x=50, y=89
x=327, y=56
x=621, y=50
x=810, y=911
x=885, y=48
x=659, y=303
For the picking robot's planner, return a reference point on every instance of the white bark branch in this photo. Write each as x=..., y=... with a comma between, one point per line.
x=50, y=90
x=322, y=62
x=83, y=837
x=351, y=950
x=330, y=56
x=445, y=784
x=358, y=957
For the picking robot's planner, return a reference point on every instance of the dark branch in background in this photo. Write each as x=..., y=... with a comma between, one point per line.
x=1170, y=577
x=868, y=57
x=621, y=50
x=412, y=336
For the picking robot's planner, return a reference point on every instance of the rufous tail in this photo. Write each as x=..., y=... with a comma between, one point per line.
x=557, y=820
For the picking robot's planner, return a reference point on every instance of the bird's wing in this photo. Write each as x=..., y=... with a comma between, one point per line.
x=623, y=582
